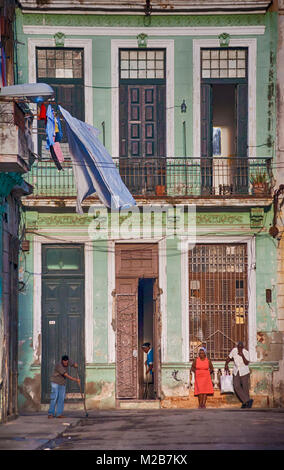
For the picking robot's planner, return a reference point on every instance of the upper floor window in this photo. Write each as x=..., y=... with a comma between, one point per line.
x=142, y=64
x=59, y=63
x=224, y=63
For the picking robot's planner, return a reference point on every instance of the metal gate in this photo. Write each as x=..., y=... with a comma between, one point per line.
x=218, y=300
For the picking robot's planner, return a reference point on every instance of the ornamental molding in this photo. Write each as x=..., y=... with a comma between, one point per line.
x=219, y=219
x=151, y=31
x=62, y=220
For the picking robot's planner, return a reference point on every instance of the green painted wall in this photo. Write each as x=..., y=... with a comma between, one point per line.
x=100, y=375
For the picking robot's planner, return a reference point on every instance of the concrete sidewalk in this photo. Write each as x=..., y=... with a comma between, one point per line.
x=34, y=430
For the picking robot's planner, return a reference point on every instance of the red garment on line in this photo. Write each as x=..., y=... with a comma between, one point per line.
x=203, y=382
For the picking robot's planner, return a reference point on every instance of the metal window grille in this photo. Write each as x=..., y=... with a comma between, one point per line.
x=218, y=300
x=224, y=63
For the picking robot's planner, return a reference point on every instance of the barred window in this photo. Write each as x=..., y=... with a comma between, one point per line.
x=224, y=63
x=218, y=302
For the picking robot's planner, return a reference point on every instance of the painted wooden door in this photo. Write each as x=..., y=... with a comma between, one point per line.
x=143, y=135
x=127, y=338
x=63, y=318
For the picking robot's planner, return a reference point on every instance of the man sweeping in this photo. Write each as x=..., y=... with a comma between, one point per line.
x=58, y=386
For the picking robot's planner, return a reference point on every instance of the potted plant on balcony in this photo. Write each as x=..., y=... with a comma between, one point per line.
x=259, y=183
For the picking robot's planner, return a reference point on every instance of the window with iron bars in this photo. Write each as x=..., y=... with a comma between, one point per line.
x=218, y=299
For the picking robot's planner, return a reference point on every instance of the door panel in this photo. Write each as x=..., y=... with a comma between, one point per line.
x=141, y=261
x=127, y=338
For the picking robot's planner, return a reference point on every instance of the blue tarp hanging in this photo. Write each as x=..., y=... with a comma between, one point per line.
x=94, y=169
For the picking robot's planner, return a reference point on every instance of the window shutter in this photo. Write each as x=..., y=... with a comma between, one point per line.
x=242, y=119
x=206, y=120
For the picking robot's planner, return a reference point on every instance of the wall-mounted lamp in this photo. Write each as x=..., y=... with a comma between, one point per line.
x=183, y=107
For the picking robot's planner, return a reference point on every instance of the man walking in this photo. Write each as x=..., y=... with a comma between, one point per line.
x=58, y=386
x=241, y=373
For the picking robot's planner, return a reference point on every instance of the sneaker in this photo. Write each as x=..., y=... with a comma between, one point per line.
x=244, y=405
x=50, y=416
x=249, y=403
x=60, y=416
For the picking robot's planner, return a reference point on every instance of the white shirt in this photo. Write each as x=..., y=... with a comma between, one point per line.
x=239, y=365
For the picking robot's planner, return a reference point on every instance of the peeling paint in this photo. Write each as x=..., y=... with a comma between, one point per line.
x=100, y=395
x=31, y=390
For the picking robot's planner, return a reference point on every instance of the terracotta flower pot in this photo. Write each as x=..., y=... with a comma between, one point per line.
x=259, y=189
x=160, y=190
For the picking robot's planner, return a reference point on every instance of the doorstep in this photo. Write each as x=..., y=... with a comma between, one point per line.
x=139, y=404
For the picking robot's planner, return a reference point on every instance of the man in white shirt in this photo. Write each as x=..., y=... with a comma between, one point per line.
x=241, y=373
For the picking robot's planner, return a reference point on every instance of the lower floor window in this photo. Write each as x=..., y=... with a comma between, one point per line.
x=218, y=299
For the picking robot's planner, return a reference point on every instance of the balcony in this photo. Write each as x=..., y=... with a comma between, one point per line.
x=162, y=177
x=16, y=147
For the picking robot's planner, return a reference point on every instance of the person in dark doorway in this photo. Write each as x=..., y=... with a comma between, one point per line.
x=149, y=363
x=202, y=368
x=241, y=373
x=58, y=386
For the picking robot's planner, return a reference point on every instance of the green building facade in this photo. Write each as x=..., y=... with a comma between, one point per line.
x=185, y=104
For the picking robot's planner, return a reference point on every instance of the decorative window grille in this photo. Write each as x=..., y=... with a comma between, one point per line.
x=224, y=63
x=142, y=64
x=59, y=63
x=218, y=301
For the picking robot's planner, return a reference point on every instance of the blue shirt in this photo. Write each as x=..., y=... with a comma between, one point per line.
x=150, y=358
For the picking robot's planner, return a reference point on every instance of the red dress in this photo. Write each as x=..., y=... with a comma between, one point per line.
x=203, y=382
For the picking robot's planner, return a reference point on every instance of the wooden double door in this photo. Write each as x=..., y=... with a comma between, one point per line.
x=138, y=318
x=142, y=116
x=63, y=298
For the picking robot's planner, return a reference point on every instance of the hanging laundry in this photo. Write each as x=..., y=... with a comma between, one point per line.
x=58, y=151
x=58, y=130
x=42, y=114
x=50, y=127
x=50, y=136
x=94, y=168
x=54, y=158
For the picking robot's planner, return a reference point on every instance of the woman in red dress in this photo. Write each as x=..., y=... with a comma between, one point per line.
x=202, y=368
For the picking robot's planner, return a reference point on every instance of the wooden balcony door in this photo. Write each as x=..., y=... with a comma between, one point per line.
x=143, y=135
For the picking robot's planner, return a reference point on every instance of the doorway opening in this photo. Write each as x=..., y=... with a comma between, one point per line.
x=145, y=335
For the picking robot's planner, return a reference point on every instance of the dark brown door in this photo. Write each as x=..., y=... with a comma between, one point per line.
x=142, y=135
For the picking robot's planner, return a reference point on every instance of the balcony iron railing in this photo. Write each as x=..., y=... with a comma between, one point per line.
x=159, y=176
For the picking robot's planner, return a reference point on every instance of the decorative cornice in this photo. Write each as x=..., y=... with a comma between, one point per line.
x=39, y=19
x=132, y=31
x=60, y=220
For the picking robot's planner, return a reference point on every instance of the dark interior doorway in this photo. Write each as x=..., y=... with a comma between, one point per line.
x=145, y=334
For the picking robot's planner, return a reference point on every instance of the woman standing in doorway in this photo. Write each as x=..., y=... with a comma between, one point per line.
x=202, y=368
